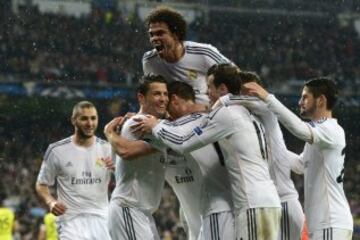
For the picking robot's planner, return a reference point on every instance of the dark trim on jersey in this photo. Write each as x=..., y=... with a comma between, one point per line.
x=163, y=133
x=214, y=226
x=219, y=153
x=185, y=120
x=212, y=52
x=265, y=142
x=129, y=226
x=328, y=234
x=251, y=224
x=285, y=224
x=214, y=112
x=100, y=140
x=56, y=144
x=260, y=139
x=217, y=59
x=149, y=55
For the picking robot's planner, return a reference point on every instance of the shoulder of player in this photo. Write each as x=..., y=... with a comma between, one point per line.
x=329, y=128
x=149, y=54
x=59, y=144
x=185, y=119
x=203, y=49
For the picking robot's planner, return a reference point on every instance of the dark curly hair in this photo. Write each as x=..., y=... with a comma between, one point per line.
x=174, y=20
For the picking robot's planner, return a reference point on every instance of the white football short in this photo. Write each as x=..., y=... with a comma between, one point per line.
x=128, y=223
x=258, y=224
x=84, y=227
x=218, y=226
x=331, y=234
x=292, y=220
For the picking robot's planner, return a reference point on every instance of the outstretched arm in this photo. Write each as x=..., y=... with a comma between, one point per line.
x=292, y=122
x=211, y=129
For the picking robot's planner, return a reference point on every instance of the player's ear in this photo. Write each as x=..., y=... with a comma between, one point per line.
x=223, y=89
x=321, y=100
x=174, y=98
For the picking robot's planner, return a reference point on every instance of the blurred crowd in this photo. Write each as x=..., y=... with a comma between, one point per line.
x=106, y=47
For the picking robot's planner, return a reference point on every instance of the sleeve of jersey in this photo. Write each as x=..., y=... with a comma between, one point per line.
x=211, y=130
x=323, y=137
x=294, y=124
x=47, y=172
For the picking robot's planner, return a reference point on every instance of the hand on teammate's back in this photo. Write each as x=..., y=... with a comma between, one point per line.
x=144, y=125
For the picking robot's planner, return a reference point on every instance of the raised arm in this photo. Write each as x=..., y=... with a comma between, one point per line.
x=292, y=122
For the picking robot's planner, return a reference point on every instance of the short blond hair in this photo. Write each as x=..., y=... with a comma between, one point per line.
x=81, y=105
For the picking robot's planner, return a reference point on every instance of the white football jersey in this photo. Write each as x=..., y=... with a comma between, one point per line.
x=81, y=176
x=214, y=188
x=240, y=139
x=279, y=164
x=323, y=161
x=184, y=176
x=139, y=182
x=325, y=202
x=191, y=68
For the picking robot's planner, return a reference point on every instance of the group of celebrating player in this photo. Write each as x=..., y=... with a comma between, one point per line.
x=212, y=132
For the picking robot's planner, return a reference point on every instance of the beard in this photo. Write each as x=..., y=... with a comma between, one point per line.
x=83, y=134
x=307, y=114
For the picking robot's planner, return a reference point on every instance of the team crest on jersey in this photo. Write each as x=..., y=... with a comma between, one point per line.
x=100, y=161
x=192, y=74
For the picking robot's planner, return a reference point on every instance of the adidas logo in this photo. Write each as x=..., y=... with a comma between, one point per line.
x=69, y=164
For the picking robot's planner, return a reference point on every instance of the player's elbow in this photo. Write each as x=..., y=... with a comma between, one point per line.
x=40, y=187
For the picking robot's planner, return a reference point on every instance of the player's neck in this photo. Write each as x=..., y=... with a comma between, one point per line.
x=176, y=54
x=144, y=111
x=82, y=141
x=321, y=115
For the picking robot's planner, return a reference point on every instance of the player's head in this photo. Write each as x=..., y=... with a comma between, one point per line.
x=85, y=119
x=246, y=76
x=317, y=95
x=166, y=28
x=152, y=95
x=223, y=79
x=180, y=93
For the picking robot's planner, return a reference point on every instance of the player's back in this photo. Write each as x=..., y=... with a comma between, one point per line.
x=139, y=182
x=279, y=166
x=246, y=160
x=325, y=202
